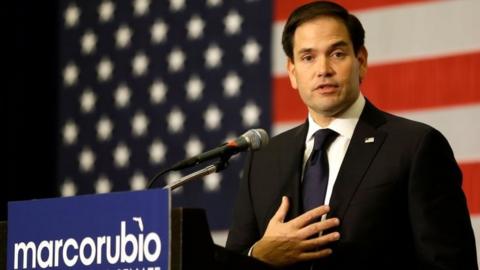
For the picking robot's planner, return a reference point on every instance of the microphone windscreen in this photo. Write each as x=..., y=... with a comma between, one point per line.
x=257, y=137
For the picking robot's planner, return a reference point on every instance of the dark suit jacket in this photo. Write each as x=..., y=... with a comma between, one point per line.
x=399, y=199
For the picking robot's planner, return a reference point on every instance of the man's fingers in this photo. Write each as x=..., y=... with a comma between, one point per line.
x=313, y=255
x=317, y=227
x=318, y=242
x=310, y=216
x=282, y=210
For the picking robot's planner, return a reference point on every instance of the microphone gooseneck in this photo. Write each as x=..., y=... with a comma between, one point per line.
x=253, y=139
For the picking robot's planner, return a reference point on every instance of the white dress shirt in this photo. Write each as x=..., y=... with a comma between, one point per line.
x=344, y=125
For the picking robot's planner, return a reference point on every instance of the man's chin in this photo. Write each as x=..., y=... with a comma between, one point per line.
x=332, y=107
x=329, y=110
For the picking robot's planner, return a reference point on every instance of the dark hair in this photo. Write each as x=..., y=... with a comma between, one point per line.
x=316, y=9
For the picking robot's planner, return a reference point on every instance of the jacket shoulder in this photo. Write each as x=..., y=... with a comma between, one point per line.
x=289, y=136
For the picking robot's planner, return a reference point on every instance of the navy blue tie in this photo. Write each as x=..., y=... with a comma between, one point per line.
x=315, y=179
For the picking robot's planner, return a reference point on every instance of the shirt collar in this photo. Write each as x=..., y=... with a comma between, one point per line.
x=344, y=124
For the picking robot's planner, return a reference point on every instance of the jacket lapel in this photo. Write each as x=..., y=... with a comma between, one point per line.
x=290, y=169
x=365, y=143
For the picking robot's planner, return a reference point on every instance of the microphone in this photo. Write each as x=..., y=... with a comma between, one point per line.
x=253, y=139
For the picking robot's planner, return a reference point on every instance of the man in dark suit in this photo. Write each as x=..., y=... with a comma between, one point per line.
x=393, y=199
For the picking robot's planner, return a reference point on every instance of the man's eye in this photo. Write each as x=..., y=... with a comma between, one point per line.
x=307, y=58
x=338, y=54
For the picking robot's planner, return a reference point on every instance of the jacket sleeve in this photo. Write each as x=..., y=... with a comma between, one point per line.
x=442, y=230
x=244, y=230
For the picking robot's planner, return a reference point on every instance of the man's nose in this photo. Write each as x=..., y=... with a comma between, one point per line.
x=323, y=67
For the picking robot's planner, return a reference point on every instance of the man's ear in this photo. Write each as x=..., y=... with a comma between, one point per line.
x=291, y=73
x=362, y=57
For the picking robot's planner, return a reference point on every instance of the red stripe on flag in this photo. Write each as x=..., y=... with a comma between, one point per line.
x=420, y=84
x=471, y=185
x=427, y=83
x=287, y=105
x=282, y=8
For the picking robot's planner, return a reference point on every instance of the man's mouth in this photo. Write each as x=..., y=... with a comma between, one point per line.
x=327, y=88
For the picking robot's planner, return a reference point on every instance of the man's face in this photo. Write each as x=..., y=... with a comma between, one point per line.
x=324, y=69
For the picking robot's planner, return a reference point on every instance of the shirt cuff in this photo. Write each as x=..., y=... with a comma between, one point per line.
x=250, y=251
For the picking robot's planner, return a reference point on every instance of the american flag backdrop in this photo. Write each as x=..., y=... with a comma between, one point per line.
x=146, y=83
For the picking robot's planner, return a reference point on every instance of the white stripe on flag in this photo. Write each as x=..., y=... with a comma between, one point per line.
x=406, y=32
x=456, y=124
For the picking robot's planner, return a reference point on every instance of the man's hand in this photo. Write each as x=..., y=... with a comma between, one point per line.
x=285, y=243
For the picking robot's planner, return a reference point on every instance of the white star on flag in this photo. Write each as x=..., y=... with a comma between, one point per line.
x=103, y=185
x=177, y=5
x=212, y=117
x=105, y=11
x=211, y=182
x=195, y=27
x=157, y=151
x=175, y=120
x=158, y=90
x=121, y=155
x=194, y=88
x=89, y=41
x=175, y=60
x=86, y=159
x=193, y=147
x=122, y=96
x=104, y=128
x=104, y=69
x=141, y=7
x=251, y=52
x=70, y=132
x=140, y=64
x=138, y=181
x=233, y=22
x=71, y=15
x=213, y=56
x=68, y=188
x=250, y=114
x=158, y=31
x=70, y=74
x=231, y=84
x=123, y=36
x=139, y=124
x=88, y=100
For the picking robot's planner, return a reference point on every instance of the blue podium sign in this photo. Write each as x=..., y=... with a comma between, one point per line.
x=116, y=231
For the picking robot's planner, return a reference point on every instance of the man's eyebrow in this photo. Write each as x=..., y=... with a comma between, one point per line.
x=305, y=50
x=341, y=43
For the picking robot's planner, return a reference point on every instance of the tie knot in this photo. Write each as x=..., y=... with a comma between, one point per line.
x=322, y=138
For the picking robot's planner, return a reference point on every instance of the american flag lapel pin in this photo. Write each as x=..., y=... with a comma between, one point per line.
x=370, y=140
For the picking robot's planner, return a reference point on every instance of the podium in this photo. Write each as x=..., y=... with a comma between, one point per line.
x=191, y=244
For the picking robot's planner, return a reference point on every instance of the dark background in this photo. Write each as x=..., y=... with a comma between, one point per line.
x=32, y=96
